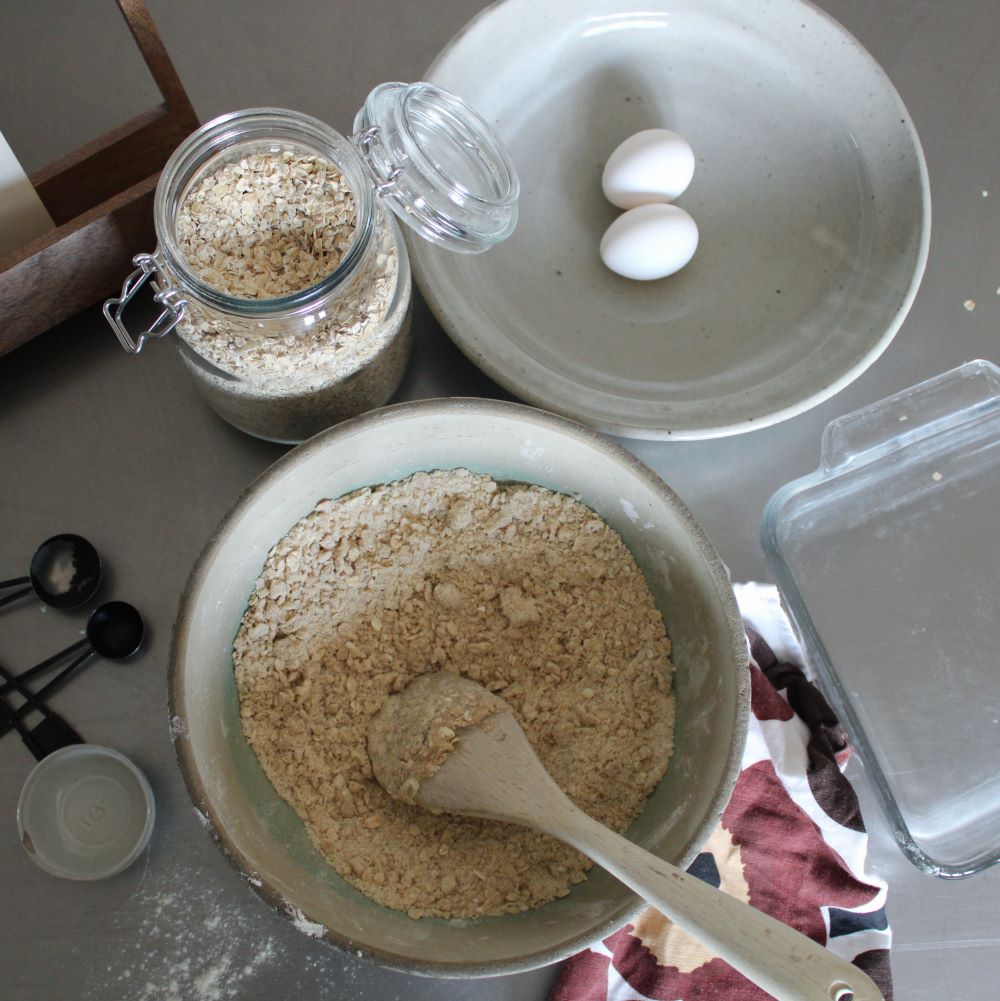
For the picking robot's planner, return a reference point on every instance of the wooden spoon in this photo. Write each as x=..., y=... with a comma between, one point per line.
x=476, y=761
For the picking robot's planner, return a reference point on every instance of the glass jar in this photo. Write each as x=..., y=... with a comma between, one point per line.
x=285, y=366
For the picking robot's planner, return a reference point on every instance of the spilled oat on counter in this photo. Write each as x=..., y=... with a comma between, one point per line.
x=523, y=590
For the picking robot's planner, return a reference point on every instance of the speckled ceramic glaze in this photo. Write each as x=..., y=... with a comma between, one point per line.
x=259, y=831
x=810, y=193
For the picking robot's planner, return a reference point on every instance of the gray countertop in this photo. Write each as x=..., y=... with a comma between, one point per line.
x=123, y=451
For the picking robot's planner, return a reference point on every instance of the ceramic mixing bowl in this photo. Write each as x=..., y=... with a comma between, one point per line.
x=262, y=835
x=810, y=192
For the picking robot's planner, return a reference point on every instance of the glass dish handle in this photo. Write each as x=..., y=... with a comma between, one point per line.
x=173, y=306
x=943, y=402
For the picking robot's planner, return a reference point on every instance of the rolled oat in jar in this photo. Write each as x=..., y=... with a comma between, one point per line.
x=278, y=266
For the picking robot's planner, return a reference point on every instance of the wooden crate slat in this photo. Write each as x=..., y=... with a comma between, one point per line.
x=101, y=198
x=107, y=165
x=55, y=277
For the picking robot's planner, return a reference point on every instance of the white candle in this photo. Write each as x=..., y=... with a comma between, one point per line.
x=22, y=215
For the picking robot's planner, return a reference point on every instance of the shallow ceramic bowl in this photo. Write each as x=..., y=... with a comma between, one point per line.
x=260, y=832
x=810, y=192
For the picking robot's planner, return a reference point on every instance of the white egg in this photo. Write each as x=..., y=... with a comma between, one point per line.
x=652, y=166
x=648, y=242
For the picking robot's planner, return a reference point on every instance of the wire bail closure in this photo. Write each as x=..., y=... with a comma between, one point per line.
x=363, y=140
x=170, y=299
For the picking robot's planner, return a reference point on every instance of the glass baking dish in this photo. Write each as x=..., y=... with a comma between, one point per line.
x=888, y=560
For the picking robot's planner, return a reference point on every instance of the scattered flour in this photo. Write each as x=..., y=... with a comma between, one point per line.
x=304, y=925
x=191, y=932
x=188, y=946
x=530, y=451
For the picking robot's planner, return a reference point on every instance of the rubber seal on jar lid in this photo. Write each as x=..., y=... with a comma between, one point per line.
x=438, y=166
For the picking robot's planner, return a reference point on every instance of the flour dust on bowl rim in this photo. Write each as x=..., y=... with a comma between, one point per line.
x=810, y=193
x=261, y=834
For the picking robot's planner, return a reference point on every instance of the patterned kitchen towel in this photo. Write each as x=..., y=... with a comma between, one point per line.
x=791, y=842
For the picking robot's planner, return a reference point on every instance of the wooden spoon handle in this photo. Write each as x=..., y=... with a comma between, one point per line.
x=495, y=773
x=779, y=959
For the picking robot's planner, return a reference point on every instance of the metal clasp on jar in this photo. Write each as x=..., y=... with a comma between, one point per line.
x=170, y=299
x=363, y=141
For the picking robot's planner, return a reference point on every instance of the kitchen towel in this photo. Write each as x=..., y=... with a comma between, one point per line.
x=791, y=842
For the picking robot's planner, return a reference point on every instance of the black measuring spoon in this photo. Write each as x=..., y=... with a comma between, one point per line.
x=115, y=631
x=65, y=572
x=52, y=733
x=10, y=718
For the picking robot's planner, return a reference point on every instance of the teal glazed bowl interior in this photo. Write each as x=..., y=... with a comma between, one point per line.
x=262, y=835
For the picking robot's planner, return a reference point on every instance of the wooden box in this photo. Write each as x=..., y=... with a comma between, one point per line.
x=101, y=199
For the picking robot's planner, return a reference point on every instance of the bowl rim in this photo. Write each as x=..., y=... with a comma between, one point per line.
x=507, y=375
x=455, y=406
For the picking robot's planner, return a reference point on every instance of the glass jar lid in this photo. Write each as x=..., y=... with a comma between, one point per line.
x=438, y=166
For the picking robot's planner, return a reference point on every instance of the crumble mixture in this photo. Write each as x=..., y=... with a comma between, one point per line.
x=525, y=591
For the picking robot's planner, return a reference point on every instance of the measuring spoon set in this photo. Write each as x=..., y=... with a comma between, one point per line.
x=65, y=573
x=85, y=812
